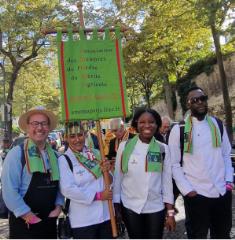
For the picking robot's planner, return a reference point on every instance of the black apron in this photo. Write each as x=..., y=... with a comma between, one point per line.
x=40, y=197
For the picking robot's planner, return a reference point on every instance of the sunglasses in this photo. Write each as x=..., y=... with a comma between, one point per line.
x=202, y=98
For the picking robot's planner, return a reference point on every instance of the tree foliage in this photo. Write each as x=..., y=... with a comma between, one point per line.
x=169, y=40
x=21, y=38
x=37, y=85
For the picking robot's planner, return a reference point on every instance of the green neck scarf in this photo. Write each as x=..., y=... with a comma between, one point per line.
x=188, y=130
x=91, y=163
x=153, y=161
x=35, y=162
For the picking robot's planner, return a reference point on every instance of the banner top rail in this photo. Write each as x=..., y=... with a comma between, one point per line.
x=77, y=30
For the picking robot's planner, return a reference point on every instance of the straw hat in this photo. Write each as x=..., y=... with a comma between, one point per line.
x=23, y=120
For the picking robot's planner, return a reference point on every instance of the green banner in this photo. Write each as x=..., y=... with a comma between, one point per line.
x=91, y=76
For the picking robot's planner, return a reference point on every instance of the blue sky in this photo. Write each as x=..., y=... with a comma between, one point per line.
x=102, y=3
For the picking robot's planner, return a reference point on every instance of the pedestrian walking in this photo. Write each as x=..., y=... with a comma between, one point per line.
x=30, y=179
x=203, y=171
x=143, y=180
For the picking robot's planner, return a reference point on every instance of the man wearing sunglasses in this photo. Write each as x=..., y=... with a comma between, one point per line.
x=202, y=169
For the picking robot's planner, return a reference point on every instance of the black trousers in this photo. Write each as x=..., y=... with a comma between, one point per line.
x=46, y=229
x=209, y=213
x=96, y=231
x=144, y=225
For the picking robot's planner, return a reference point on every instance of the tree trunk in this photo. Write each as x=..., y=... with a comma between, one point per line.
x=147, y=96
x=224, y=84
x=10, y=99
x=168, y=97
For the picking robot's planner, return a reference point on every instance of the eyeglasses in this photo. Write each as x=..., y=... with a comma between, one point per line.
x=36, y=124
x=202, y=98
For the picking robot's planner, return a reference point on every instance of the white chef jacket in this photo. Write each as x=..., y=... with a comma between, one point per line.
x=141, y=191
x=80, y=187
x=207, y=169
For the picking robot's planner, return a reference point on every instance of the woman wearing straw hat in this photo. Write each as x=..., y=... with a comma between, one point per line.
x=30, y=178
x=84, y=185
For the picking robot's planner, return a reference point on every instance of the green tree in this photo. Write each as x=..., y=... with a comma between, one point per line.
x=139, y=71
x=21, y=40
x=213, y=14
x=170, y=39
x=36, y=86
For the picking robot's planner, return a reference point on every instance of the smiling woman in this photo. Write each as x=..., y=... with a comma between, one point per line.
x=31, y=171
x=88, y=211
x=144, y=162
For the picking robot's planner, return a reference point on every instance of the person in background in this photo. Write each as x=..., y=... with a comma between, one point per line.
x=6, y=143
x=30, y=179
x=205, y=174
x=143, y=180
x=107, y=138
x=161, y=134
x=91, y=139
x=85, y=187
x=121, y=134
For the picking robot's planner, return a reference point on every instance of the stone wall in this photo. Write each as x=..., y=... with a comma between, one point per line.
x=212, y=86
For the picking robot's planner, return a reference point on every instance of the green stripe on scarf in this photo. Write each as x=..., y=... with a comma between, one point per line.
x=34, y=161
x=93, y=166
x=188, y=130
x=153, y=158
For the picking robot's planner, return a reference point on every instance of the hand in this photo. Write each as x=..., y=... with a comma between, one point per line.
x=105, y=166
x=107, y=194
x=31, y=218
x=192, y=194
x=170, y=223
x=56, y=212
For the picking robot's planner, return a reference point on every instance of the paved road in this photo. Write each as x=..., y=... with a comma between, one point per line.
x=180, y=229
x=179, y=233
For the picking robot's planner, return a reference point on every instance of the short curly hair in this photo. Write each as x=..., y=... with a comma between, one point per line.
x=141, y=111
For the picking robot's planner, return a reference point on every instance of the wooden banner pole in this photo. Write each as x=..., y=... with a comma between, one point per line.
x=106, y=180
x=99, y=135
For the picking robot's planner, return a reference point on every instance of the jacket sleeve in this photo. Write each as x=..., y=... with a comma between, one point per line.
x=59, y=198
x=226, y=150
x=118, y=175
x=69, y=188
x=175, y=155
x=12, y=173
x=167, y=186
